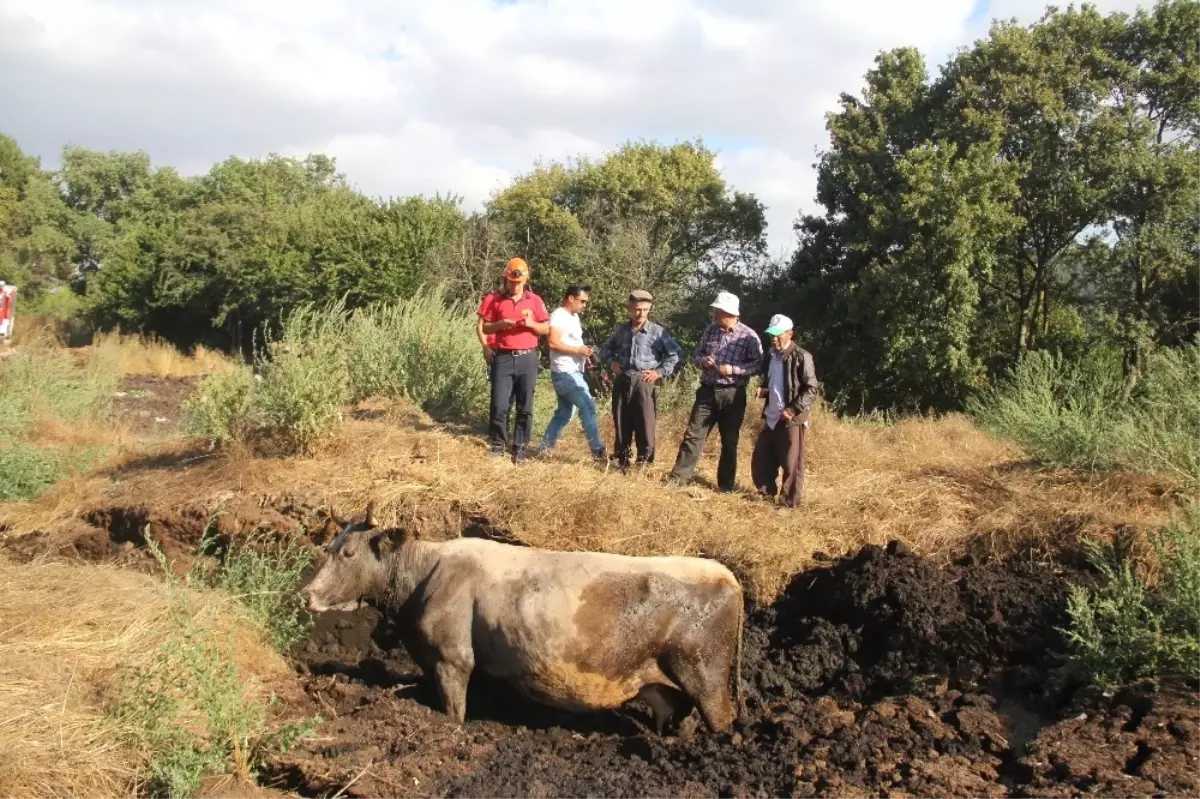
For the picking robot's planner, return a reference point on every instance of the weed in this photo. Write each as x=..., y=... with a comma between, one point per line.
x=220, y=408
x=1127, y=628
x=188, y=706
x=263, y=576
x=1080, y=415
x=26, y=471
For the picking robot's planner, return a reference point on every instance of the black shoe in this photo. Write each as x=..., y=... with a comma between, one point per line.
x=601, y=455
x=519, y=457
x=496, y=451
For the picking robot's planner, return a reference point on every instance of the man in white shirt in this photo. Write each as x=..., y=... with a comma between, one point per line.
x=568, y=359
x=789, y=387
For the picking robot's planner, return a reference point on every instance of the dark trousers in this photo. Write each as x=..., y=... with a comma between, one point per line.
x=724, y=407
x=513, y=380
x=781, y=448
x=635, y=414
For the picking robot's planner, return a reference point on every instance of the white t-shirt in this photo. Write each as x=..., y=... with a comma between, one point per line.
x=774, y=391
x=571, y=332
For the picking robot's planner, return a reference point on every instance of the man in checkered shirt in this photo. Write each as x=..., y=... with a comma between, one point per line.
x=729, y=354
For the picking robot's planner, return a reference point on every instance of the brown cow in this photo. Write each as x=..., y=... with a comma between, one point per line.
x=575, y=630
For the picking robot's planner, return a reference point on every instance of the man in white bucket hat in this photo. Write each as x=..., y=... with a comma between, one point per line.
x=789, y=385
x=728, y=355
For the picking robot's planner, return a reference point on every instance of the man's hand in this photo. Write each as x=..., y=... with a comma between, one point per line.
x=614, y=367
x=650, y=375
x=763, y=393
x=725, y=369
x=488, y=354
x=787, y=415
x=506, y=324
x=584, y=351
x=708, y=363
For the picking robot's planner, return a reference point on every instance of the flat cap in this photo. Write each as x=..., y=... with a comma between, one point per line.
x=640, y=295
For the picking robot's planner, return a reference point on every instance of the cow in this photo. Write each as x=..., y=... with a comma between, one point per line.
x=574, y=630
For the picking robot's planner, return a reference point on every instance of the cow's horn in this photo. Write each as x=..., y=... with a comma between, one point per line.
x=371, y=520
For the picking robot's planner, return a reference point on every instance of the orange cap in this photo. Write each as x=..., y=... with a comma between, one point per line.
x=516, y=269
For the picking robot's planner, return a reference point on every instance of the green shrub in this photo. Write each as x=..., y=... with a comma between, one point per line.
x=188, y=706
x=220, y=408
x=422, y=348
x=1126, y=629
x=1079, y=413
x=263, y=576
x=40, y=382
x=26, y=471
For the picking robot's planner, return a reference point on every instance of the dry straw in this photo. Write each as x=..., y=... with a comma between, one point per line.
x=66, y=631
x=933, y=483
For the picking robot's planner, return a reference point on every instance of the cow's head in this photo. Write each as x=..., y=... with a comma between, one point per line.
x=355, y=568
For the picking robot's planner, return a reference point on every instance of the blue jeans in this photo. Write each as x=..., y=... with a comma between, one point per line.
x=572, y=393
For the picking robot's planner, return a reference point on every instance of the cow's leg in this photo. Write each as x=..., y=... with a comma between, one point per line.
x=708, y=686
x=669, y=705
x=452, y=679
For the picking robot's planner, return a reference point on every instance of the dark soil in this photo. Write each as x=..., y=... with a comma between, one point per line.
x=150, y=407
x=876, y=674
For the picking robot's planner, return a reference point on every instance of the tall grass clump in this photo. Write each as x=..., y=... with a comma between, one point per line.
x=43, y=383
x=189, y=709
x=220, y=408
x=262, y=574
x=421, y=348
x=1080, y=414
x=1130, y=627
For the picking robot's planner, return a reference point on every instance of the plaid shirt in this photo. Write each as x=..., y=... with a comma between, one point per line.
x=649, y=348
x=740, y=348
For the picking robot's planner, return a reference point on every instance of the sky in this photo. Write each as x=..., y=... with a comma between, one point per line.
x=459, y=96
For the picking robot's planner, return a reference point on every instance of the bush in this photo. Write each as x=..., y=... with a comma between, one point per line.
x=420, y=348
x=1079, y=413
x=1127, y=628
x=189, y=707
x=41, y=383
x=220, y=408
x=263, y=576
x=423, y=349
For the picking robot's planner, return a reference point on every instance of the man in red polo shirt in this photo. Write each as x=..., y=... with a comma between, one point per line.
x=514, y=317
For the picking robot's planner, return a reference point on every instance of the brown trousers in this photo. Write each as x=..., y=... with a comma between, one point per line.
x=635, y=414
x=781, y=448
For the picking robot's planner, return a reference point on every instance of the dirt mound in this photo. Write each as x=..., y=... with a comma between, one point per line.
x=873, y=674
x=1137, y=742
x=886, y=621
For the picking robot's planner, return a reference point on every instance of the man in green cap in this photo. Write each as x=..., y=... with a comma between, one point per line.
x=789, y=385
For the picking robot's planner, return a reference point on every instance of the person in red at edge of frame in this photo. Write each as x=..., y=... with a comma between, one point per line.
x=515, y=317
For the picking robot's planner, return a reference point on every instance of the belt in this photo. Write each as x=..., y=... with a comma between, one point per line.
x=515, y=352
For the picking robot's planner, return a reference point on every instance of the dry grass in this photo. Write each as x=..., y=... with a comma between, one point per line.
x=148, y=355
x=65, y=630
x=934, y=484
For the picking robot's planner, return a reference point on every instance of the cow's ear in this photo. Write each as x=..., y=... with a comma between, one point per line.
x=387, y=541
x=336, y=519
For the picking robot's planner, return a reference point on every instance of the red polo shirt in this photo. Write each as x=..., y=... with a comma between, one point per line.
x=498, y=305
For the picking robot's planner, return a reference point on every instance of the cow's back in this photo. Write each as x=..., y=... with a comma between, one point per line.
x=588, y=630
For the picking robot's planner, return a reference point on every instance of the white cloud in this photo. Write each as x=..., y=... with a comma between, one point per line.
x=458, y=95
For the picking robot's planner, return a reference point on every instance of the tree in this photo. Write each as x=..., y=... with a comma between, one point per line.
x=646, y=216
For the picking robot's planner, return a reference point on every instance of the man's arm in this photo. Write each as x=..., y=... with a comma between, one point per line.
x=539, y=323
x=809, y=384
x=668, y=354
x=557, y=344
x=749, y=356
x=480, y=333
